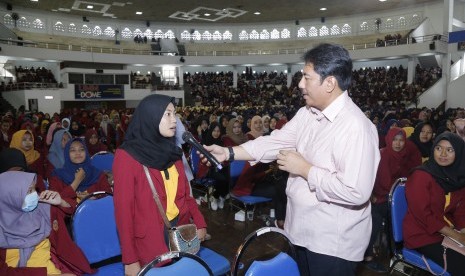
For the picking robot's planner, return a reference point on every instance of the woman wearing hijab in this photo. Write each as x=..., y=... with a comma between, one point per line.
x=65, y=123
x=33, y=235
x=256, y=128
x=435, y=195
x=78, y=177
x=51, y=132
x=106, y=131
x=12, y=159
x=422, y=137
x=24, y=141
x=398, y=158
x=56, y=155
x=93, y=143
x=213, y=137
x=234, y=136
x=150, y=142
x=76, y=129
x=266, y=125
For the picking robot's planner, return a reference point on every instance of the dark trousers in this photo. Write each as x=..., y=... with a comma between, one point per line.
x=314, y=264
x=455, y=260
x=379, y=213
x=275, y=188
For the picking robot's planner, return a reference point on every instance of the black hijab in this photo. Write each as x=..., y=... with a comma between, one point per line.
x=143, y=140
x=424, y=148
x=209, y=139
x=452, y=177
x=12, y=157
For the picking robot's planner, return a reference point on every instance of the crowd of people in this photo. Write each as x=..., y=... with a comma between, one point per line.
x=326, y=161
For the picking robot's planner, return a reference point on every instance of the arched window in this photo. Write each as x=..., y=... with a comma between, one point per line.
x=59, y=27
x=335, y=30
x=207, y=35
x=109, y=32
x=312, y=32
x=22, y=22
x=126, y=33
x=346, y=29
x=137, y=32
x=8, y=20
x=158, y=34
x=97, y=31
x=402, y=22
x=38, y=24
x=389, y=23
x=148, y=33
x=243, y=35
x=254, y=35
x=85, y=30
x=324, y=31
x=301, y=32
x=196, y=36
x=416, y=19
x=217, y=35
x=72, y=28
x=364, y=26
x=264, y=35
x=170, y=34
x=274, y=34
x=227, y=35
x=185, y=35
x=285, y=33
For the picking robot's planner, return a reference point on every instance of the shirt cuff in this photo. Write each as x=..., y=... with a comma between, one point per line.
x=314, y=179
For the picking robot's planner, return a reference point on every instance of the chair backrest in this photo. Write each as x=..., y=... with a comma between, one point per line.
x=186, y=264
x=194, y=161
x=271, y=266
x=281, y=264
x=103, y=160
x=398, y=207
x=94, y=228
x=235, y=170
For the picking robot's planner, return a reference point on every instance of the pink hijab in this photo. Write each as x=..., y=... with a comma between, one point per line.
x=51, y=129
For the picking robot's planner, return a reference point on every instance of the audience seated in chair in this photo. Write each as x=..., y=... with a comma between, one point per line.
x=34, y=239
x=435, y=195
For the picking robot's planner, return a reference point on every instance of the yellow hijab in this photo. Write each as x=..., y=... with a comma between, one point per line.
x=16, y=141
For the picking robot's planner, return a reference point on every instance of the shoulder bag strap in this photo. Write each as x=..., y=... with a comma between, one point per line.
x=156, y=198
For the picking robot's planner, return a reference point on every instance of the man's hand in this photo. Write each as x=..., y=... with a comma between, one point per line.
x=293, y=162
x=220, y=153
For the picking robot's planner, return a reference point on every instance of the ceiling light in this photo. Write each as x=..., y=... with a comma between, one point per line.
x=382, y=0
x=90, y=6
x=206, y=14
x=257, y=13
x=138, y=13
x=34, y=0
x=323, y=9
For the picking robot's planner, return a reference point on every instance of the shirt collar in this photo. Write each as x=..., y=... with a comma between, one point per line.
x=333, y=109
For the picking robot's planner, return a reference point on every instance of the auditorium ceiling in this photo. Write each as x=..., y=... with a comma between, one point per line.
x=216, y=11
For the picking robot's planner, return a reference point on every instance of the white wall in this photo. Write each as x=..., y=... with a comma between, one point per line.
x=434, y=96
x=456, y=93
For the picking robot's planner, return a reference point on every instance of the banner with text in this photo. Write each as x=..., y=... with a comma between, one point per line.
x=98, y=91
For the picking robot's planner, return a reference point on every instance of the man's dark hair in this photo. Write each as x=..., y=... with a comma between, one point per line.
x=331, y=60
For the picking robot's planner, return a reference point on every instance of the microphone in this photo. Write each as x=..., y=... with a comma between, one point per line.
x=187, y=137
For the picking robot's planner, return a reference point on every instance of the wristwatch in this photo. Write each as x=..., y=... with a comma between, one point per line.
x=231, y=154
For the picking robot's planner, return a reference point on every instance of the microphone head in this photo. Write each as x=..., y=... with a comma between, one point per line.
x=186, y=136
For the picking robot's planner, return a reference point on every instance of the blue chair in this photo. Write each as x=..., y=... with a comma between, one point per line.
x=204, y=183
x=281, y=264
x=216, y=262
x=398, y=207
x=94, y=231
x=180, y=263
x=236, y=168
x=103, y=161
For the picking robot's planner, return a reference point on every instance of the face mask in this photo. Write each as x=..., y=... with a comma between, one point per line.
x=30, y=202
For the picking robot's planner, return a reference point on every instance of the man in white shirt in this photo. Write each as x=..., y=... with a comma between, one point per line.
x=331, y=151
